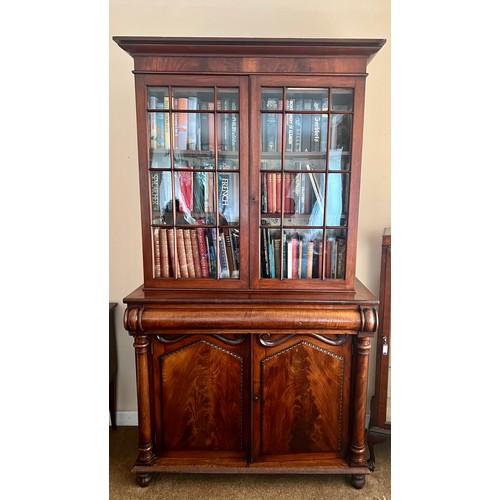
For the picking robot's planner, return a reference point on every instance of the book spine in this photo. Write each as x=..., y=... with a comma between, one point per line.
x=234, y=126
x=160, y=126
x=202, y=246
x=277, y=257
x=189, y=253
x=223, y=258
x=310, y=256
x=295, y=257
x=341, y=244
x=316, y=126
x=152, y=123
x=165, y=266
x=157, y=256
x=186, y=191
x=297, y=132
x=171, y=249
x=196, y=253
x=181, y=252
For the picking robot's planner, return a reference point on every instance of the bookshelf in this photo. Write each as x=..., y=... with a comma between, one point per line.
x=249, y=170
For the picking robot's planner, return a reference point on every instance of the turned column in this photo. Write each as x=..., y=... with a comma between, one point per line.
x=358, y=446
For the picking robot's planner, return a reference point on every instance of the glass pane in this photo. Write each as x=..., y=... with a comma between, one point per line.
x=318, y=98
x=194, y=197
x=159, y=132
x=194, y=140
x=193, y=98
x=161, y=197
x=229, y=199
x=340, y=142
x=230, y=98
x=228, y=140
x=270, y=253
x=335, y=253
x=304, y=199
x=302, y=254
x=158, y=98
x=271, y=191
x=342, y=99
x=272, y=98
x=271, y=133
x=337, y=203
x=229, y=253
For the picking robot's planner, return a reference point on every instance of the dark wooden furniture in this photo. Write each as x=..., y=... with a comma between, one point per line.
x=380, y=423
x=113, y=364
x=251, y=332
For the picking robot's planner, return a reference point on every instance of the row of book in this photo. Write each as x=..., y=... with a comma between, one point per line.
x=304, y=132
x=192, y=253
x=194, y=131
x=301, y=257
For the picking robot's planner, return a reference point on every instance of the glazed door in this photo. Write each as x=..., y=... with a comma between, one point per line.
x=201, y=401
x=301, y=396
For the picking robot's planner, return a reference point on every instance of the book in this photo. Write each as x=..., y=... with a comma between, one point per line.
x=181, y=252
x=264, y=255
x=234, y=126
x=341, y=248
x=182, y=125
x=157, y=259
x=164, y=262
x=185, y=191
x=316, y=126
x=309, y=259
x=223, y=258
x=295, y=256
x=174, y=256
x=277, y=256
x=297, y=126
x=189, y=253
x=193, y=124
x=202, y=247
x=270, y=141
x=306, y=126
x=290, y=121
x=231, y=261
x=229, y=197
x=196, y=253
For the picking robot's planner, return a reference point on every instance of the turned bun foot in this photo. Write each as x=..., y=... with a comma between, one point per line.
x=358, y=480
x=143, y=479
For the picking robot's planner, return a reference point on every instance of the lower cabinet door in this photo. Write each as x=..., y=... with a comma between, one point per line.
x=301, y=396
x=201, y=395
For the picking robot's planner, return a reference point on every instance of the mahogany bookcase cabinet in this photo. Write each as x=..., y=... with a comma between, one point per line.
x=250, y=330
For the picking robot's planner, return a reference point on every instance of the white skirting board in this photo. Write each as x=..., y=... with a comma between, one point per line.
x=126, y=418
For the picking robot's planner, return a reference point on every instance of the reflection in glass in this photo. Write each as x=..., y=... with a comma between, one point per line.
x=337, y=203
x=335, y=253
x=228, y=140
x=340, y=141
x=158, y=95
x=161, y=195
x=228, y=98
x=272, y=98
x=304, y=199
x=342, y=99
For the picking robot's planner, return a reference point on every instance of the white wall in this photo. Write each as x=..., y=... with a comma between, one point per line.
x=257, y=18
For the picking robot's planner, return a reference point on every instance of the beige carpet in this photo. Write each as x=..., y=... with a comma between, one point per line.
x=122, y=485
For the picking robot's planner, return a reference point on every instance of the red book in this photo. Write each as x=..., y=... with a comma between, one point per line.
x=202, y=246
x=196, y=253
x=189, y=253
x=186, y=200
x=278, y=192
